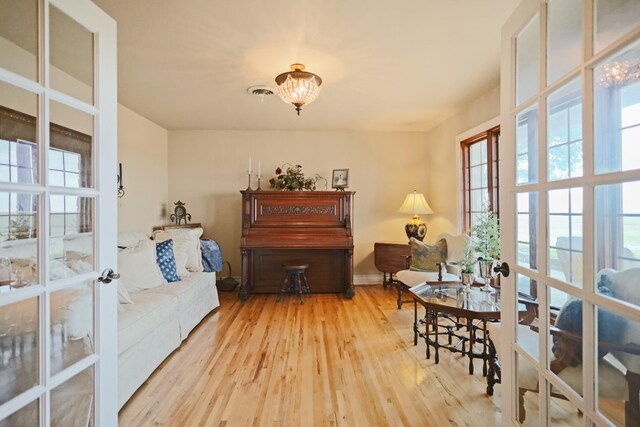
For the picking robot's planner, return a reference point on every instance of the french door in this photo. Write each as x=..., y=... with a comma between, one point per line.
x=58, y=106
x=570, y=202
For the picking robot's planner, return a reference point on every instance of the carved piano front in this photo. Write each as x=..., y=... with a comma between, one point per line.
x=309, y=227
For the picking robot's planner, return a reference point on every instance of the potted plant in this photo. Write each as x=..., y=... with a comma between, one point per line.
x=486, y=238
x=468, y=267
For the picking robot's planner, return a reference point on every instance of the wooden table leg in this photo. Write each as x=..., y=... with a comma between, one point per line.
x=427, y=321
x=484, y=348
x=416, y=326
x=436, y=334
x=472, y=340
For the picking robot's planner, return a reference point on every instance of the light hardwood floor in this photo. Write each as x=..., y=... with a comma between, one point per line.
x=330, y=361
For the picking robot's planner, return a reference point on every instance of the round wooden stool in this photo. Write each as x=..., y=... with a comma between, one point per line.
x=295, y=281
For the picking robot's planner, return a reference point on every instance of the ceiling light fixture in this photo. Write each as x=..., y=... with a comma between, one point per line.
x=298, y=87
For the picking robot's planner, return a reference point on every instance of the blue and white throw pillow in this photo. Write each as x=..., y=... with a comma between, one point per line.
x=166, y=260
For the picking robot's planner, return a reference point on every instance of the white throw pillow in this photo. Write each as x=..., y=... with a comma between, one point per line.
x=455, y=245
x=138, y=268
x=190, y=239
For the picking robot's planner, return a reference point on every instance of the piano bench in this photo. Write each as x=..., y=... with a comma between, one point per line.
x=295, y=281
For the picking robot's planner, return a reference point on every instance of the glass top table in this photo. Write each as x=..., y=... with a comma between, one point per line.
x=454, y=320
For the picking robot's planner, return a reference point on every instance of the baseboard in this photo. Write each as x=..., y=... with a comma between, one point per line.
x=358, y=279
x=367, y=279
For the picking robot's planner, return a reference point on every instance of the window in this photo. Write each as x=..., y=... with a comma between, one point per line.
x=480, y=175
x=18, y=160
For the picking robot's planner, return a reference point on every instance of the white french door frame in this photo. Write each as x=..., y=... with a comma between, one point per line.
x=587, y=403
x=103, y=194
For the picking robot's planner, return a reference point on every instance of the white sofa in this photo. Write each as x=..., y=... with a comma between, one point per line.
x=156, y=323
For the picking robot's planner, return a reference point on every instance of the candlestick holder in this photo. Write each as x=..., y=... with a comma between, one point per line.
x=249, y=181
x=259, y=188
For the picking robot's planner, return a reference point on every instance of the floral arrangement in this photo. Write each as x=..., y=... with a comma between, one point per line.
x=293, y=179
x=486, y=235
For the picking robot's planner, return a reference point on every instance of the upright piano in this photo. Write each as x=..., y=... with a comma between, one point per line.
x=291, y=227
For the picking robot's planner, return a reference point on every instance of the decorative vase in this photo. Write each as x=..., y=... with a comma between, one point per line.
x=416, y=228
x=467, y=281
x=487, y=273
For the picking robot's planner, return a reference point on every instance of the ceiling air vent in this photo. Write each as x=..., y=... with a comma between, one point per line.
x=260, y=91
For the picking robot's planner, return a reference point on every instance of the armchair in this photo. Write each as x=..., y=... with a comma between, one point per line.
x=449, y=272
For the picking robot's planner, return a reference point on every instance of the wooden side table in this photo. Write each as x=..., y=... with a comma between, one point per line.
x=389, y=258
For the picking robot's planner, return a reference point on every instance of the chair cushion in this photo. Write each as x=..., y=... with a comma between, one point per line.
x=425, y=257
x=412, y=278
x=150, y=309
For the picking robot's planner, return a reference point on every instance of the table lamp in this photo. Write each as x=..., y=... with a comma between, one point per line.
x=415, y=204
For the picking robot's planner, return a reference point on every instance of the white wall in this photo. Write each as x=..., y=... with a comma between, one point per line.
x=207, y=172
x=143, y=152
x=443, y=163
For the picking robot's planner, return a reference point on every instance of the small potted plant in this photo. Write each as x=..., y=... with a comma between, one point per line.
x=468, y=267
x=486, y=238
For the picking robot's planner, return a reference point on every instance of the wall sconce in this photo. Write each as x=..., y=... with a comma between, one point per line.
x=120, y=186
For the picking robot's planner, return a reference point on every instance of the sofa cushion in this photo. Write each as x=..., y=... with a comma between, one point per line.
x=138, y=268
x=426, y=257
x=150, y=309
x=197, y=295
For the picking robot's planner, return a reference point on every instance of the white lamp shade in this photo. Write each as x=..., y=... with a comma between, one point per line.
x=415, y=204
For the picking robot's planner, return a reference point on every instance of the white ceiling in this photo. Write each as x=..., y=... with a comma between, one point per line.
x=403, y=65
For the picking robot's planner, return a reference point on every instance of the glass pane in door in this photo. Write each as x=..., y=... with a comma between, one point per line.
x=527, y=61
x=73, y=402
x=18, y=240
x=528, y=412
x=19, y=37
x=617, y=237
x=564, y=37
x=527, y=146
x=71, y=153
x=72, y=311
x=19, y=349
x=618, y=339
x=71, y=55
x=564, y=132
x=18, y=135
x=562, y=412
x=27, y=416
x=617, y=111
x=613, y=19
x=527, y=331
x=71, y=244
x=565, y=342
x=565, y=235
x=527, y=223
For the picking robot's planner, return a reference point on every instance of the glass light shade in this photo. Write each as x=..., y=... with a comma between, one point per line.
x=298, y=87
x=415, y=204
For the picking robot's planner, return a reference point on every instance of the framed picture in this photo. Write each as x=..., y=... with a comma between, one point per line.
x=340, y=179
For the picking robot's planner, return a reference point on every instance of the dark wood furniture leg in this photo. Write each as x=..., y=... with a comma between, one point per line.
x=243, y=293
